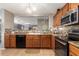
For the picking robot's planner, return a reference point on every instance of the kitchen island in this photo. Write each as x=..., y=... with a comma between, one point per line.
x=32, y=40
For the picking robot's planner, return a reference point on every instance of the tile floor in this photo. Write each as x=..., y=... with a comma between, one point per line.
x=27, y=52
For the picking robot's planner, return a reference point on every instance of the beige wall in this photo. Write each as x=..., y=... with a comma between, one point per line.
x=8, y=20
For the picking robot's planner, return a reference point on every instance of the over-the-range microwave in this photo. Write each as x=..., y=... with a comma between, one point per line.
x=71, y=18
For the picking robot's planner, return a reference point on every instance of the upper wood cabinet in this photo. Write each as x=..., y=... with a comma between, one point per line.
x=73, y=6
x=65, y=9
x=12, y=41
x=54, y=22
x=57, y=19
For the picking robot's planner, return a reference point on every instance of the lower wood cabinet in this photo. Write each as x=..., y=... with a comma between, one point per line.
x=32, y=41
x=7, y=40
x=73, y=50
x=38, y=41
x=12, y=41
x=45, y=41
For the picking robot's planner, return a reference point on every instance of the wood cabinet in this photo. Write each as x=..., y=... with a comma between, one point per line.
x=73, y=50
x=38, y=41
x=33, y=41
x=45, y=41
x=12, y=41
x=57, y=19
x=7, y=40
x=52, y=42
x=65, y=9
x=73, y=6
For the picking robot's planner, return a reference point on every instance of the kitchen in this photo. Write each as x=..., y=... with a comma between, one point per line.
x=26, y=30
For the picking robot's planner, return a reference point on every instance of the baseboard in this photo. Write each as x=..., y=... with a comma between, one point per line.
x=2, y=48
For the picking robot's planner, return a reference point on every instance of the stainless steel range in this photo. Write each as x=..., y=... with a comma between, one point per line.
x=61, y=41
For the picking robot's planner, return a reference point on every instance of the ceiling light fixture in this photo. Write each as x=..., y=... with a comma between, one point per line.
x=30, y=8
x=34, y=8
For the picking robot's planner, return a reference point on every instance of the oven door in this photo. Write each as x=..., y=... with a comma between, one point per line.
x=60, y=48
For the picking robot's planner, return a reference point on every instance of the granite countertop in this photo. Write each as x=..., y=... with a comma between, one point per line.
x=75, y=43
x=31, y=33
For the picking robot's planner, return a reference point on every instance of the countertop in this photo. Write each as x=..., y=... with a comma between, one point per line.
x=31, y=33
x=75, y=43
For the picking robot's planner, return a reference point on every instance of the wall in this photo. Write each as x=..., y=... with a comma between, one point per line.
x=25, y=20
x=41, y=21
x=50, y=21
x=2, y=28
x=8, y=20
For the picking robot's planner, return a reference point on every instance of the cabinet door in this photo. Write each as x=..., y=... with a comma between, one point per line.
x=57, y=19
x=29, y=41
x=6, y=40
x=54, y=22
x=36, y=41
x=12, y=41
x=73, y=6
x=45, y=41
x=32, y=41
x=65, y=9
x=73, y=50
x=59, y=16
x=52, y=42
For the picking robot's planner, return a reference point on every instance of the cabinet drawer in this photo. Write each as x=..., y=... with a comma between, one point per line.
x=74, y=50
x=71, y=54
x=32, y=37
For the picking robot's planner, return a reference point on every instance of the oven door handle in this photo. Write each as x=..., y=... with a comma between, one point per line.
x=61, y=42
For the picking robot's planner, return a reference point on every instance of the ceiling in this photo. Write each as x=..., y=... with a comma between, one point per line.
x=43, y=9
